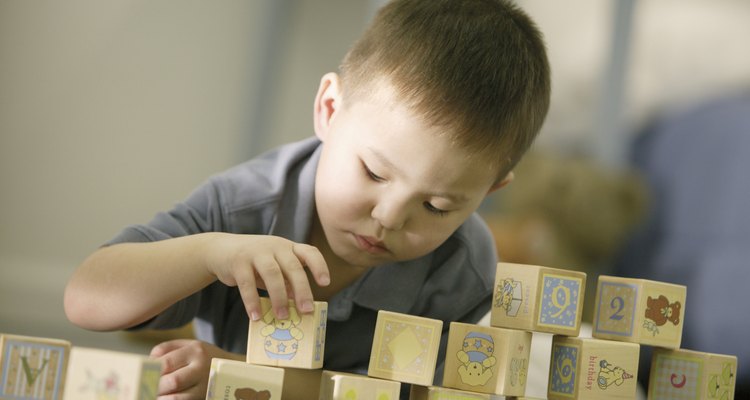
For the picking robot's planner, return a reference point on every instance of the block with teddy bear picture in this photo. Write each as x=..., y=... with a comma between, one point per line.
x=639, y=311
x=297, y=341
x=484, y=359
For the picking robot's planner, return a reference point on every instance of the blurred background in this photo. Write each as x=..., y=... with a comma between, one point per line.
x=112, y=111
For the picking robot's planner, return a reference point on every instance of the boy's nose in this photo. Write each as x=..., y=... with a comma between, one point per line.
x=391, y=214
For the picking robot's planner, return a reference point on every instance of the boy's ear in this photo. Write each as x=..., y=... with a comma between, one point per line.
x=327, y=102
x=499, y=184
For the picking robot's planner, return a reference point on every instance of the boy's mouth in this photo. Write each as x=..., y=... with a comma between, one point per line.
x=371, y=244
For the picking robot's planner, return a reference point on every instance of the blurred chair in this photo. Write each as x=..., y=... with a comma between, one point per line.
x=697, y=232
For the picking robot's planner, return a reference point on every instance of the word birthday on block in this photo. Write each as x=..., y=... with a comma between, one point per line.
x=347, y=386
x=32, y=368
x=687, y=374
x=639, y=311
x=297, y=341
x=405, y=348
x=583, y=368
x=487, y=359
x=237, y=380
x=540, y=299
x=95, y=374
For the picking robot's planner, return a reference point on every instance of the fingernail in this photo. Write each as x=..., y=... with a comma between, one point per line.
x=325, y=280
x=255, y=316
x=282, y=313
x=307, y=306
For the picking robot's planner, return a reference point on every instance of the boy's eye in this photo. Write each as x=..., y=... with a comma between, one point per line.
x=371, y=174
x=433, y=209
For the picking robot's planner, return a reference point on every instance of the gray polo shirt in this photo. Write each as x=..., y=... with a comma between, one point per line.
x=273, y=194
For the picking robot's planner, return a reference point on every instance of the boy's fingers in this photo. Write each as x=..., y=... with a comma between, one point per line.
x=167, y=347
x=314, y=261
x=178, y=381
x=270, y=272
x=249, y=294
x=297, y=281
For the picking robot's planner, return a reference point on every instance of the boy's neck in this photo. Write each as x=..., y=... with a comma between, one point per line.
x=342, y=273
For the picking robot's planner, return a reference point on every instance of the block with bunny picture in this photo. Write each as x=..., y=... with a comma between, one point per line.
x=297, y=341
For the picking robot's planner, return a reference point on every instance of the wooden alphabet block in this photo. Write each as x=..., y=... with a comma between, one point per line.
x=301, y=384
x=584, y=368
x=540, y=299
x=231, y=379
x=346, y=386
x=687, y=374
x=486, y=359
x=298, y=341
x=32, y=368
x=639, y=311
x=95, y=374
x=405, y=348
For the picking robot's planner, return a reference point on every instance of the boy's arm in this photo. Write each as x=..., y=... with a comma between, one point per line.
x=123, y=285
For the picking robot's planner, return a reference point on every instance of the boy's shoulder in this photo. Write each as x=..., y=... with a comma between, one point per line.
x=481, y=254
x=269, y=176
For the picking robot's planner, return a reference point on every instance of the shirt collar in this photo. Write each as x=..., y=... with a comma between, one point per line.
x=393, y=287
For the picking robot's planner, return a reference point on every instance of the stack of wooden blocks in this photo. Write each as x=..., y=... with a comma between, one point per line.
x=628, y=313
x=285, y=357
x=645, y=312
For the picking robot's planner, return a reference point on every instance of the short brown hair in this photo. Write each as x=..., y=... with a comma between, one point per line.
x=478, y=67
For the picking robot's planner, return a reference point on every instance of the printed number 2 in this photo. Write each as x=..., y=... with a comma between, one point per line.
x=619, y=304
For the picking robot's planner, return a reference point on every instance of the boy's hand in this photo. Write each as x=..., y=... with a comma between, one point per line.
x=185, y=367
x=271, y=263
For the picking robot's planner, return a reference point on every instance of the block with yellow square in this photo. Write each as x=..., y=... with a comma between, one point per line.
x=405, y=348
x=640, y=311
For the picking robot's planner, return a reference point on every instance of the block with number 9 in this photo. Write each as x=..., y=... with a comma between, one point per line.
x=540, y=299
x=586, y=368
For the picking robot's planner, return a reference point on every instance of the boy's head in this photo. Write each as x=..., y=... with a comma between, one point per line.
x=476, y=67
x=434, y=106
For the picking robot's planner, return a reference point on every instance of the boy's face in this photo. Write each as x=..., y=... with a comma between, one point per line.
x=388, y=186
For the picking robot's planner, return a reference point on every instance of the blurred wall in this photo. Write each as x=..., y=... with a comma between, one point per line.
x=112, y=111
x=680, y=52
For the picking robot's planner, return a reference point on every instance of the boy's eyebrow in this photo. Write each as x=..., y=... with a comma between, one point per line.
x=456, y=198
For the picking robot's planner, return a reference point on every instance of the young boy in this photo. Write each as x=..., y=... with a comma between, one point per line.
x=434, y=106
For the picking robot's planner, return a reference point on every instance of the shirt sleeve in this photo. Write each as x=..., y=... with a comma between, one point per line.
x=199, y=213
